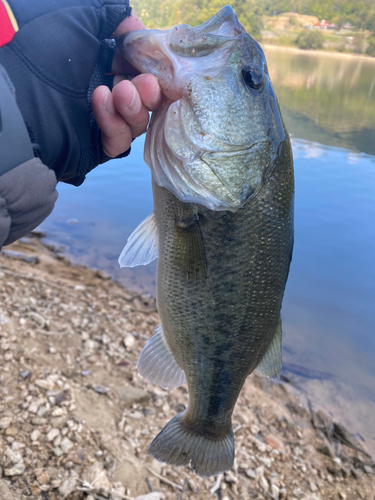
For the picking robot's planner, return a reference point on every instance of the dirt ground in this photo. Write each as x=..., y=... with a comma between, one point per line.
x=76, y=419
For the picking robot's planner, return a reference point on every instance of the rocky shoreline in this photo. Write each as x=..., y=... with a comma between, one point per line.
x=76, y=419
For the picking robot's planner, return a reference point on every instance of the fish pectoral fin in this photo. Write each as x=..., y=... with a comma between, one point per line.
x=190, y=252
x=157, y=364
x=142, y=245
x=270, y=366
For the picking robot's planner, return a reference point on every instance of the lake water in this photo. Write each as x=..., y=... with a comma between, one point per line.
x=328, y=103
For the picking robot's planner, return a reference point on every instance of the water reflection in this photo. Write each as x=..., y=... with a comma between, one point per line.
x=326, y=98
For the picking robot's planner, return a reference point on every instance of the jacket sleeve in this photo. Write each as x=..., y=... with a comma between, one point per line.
x=27, y=196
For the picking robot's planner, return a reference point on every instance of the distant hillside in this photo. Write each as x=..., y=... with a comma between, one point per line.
x=156, y=13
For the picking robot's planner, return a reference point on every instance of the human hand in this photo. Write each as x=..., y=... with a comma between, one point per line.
x=122, y=114
x=60, y=54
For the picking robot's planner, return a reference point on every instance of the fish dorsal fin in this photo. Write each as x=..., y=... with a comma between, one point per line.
x=142, y=245
x=157, y=364
x=270, y=366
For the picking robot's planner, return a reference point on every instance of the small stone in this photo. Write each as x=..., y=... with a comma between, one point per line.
x=99, y=389
x=313, y=486
x=130, y=395
x=66, y=445
x=260, y=446
x=85, y=373
x=342, y=495
x=150, y=496
x=129, y=341
x=254, y=429
x=16, y=445
x=58, y=451
x=16, y=470
x=33, y=407
x=275, y=492
x=53, y=433
x=5, y=422
x=38, y=421
x=47, y=385
x=38, y=319
x=35, y=435
x=251, y=473
x=327, y=450
x=368, y=469
x=264, y=484
x=274, y=442
x=42, y=476
x=102, y=275
x=68, y=485
x=25, y=374
x=97, y=475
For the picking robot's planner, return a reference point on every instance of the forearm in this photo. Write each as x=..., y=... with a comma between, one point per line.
x=27, y=196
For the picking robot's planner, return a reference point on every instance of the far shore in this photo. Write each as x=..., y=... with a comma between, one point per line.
x=269, y=46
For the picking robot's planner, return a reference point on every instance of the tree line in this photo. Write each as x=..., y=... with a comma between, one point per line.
x=160, y=13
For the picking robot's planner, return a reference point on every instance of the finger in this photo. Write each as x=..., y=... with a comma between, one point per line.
x=119, y=63
x=129, y=105
x=149, y=90
x=131, y=23
x=116, y=133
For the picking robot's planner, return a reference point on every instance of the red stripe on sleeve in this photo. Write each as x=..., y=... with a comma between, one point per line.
x=7, y=31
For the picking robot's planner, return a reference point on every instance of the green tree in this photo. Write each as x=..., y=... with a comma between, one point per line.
x=310, y=39
x=370, y=51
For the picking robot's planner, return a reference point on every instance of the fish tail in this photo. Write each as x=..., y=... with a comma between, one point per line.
x=179, y=444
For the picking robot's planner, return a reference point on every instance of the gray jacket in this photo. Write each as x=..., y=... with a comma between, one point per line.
x=27, y=187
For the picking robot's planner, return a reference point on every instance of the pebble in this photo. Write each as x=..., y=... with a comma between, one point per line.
x=16, y=470
x=129, y=341
x=275, y=492
x=38, y=319
x=260, y=446
x=35, y=435
x=68, y=485
x=99, y=389
x=264, y=484
x=313, y=486
x=368, y=469
x=45, y=384
x=25, y=374
x=53, y=433
x=58, y=451
x=5, y=422
x=66, y=445
x=150, y=496
x=251, y=473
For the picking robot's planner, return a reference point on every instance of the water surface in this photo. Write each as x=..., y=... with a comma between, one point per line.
x=328, y=103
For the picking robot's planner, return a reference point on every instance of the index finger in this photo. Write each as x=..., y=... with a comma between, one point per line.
x=131, y=23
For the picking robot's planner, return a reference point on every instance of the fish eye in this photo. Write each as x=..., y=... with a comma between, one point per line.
x=253, y=76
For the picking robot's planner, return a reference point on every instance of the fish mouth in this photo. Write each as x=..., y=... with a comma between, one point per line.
x=174, y=54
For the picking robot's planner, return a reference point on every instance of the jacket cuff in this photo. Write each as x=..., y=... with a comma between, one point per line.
x=27, y=196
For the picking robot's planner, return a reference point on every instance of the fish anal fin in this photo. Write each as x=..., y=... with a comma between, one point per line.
x=270, y=365
x=157, y=364
x=179, y=444
x=142, y=245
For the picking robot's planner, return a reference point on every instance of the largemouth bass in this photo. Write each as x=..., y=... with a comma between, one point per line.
x=222, y=228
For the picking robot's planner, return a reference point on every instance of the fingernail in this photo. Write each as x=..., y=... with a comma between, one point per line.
x=108, y=103
x=135, y=104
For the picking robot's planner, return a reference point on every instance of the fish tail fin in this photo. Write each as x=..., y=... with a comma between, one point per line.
x=179, y=444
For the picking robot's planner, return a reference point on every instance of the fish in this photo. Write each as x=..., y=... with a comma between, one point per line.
x=221, y=229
